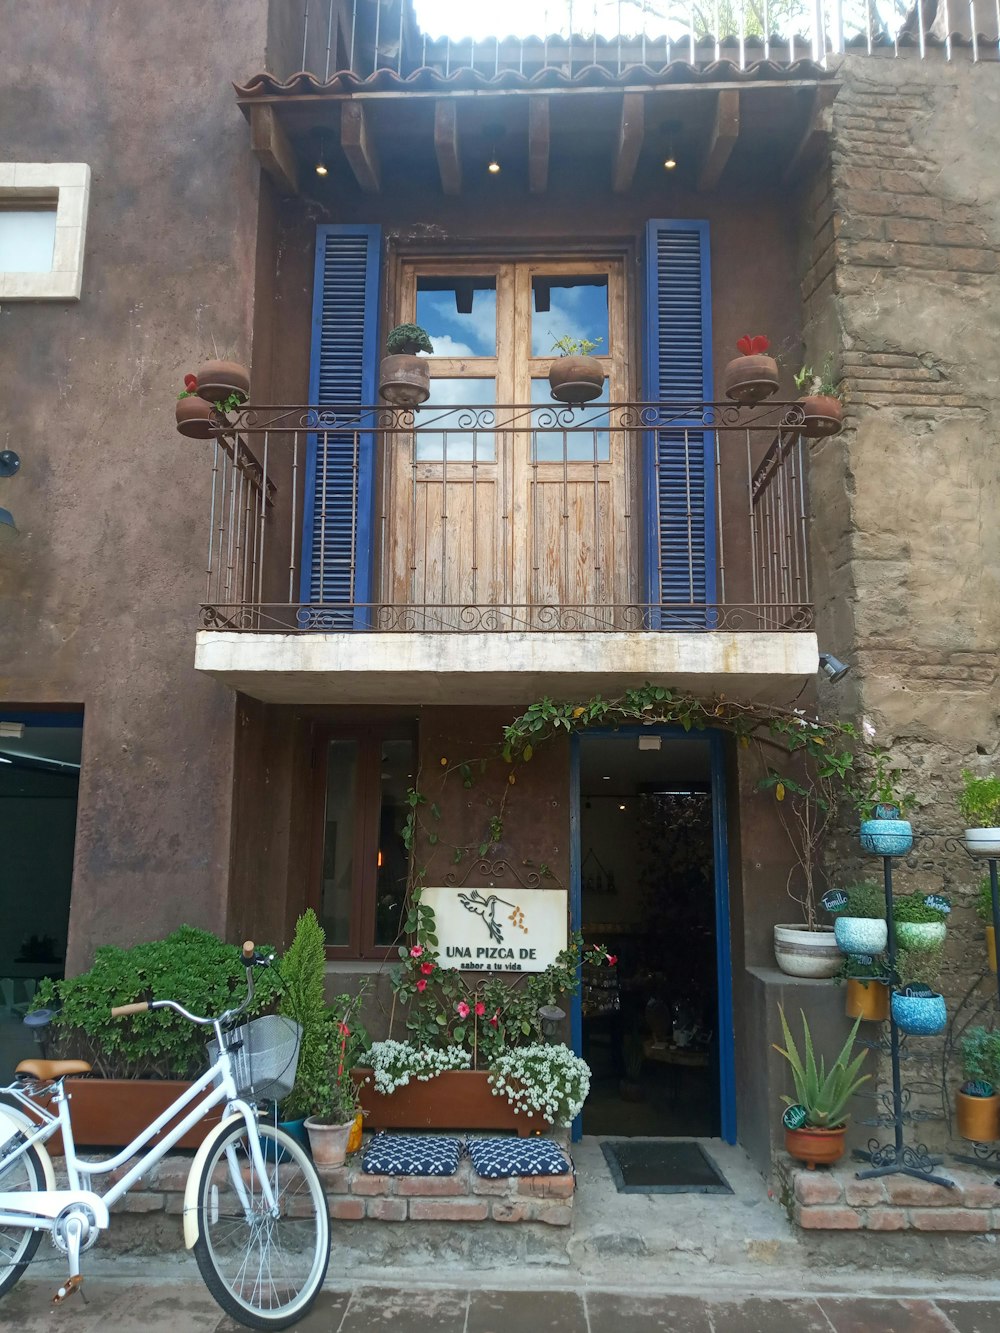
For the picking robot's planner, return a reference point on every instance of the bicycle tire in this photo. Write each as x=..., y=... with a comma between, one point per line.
x=18, y=1244
x=235, y=1253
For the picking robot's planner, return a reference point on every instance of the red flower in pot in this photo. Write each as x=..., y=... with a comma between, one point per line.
x=752, y=376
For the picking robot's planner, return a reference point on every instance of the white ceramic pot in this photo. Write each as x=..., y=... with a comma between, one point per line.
x=327, y=1142
x=983, y=841
x=807, y=953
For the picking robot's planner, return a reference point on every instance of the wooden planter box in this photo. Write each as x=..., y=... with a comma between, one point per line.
x=110, y=1112
x=456, y=1099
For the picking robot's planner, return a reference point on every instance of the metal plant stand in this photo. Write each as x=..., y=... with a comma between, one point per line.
x=982, y=1154
x=898, y=1158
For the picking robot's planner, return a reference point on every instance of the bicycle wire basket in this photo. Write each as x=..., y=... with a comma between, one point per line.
x=264, y=1055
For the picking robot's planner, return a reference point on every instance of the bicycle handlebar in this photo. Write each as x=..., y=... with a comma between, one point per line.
x=120, y=1010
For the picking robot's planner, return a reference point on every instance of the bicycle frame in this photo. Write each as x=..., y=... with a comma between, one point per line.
x=39, y=1210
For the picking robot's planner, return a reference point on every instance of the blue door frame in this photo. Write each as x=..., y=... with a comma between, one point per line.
x=720, y=857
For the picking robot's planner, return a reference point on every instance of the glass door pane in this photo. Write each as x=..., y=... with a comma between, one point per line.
x=338, y=841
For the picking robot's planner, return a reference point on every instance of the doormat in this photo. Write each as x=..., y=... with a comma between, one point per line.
x=662, y=1166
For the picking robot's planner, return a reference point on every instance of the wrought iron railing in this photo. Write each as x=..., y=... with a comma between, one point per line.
x=631, y=516
x=571, y=36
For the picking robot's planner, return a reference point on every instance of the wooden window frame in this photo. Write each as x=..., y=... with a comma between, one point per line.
x=370, y=737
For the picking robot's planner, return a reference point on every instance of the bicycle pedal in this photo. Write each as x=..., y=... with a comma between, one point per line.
x=72, y=1284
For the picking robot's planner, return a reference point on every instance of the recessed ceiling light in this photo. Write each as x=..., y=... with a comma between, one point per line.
x=606, y=778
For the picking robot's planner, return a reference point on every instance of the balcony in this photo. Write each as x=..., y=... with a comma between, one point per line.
x=489, y=554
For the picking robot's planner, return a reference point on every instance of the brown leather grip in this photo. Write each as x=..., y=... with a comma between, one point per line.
x=248, y=951
x=120, y=1010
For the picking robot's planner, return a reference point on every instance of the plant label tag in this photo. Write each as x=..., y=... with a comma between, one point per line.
x=834, y=900
x=794, y=1117
x=938, y=901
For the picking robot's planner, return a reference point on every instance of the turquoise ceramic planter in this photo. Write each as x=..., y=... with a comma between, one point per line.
x=886, y=837
x=861, y=934
x=919, y=1015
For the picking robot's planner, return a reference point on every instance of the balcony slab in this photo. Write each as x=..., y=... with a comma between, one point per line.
x=502, y=668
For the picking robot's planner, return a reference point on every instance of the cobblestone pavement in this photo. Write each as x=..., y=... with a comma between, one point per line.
x=123, y=1307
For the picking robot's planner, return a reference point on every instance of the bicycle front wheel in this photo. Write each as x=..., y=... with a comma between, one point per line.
x=20, y=1175
x=264, y=1270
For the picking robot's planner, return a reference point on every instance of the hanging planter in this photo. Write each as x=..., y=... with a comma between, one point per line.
x=219, y=380
x=888, y=834
x=752, y=377
x=195, y=416
x=822, y=413
x=979, y=803
x=576, y=376
x=404, y=379
x=806, y=953
x=867, y=1000
x=919, y=1011
x=920, y=921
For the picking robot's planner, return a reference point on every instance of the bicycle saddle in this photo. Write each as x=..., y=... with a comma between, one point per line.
x=47, y=1070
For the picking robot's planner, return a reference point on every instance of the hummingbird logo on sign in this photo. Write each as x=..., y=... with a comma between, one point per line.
x=487, y=908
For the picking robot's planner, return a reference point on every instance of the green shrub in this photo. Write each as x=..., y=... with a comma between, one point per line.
x=979, y=802
x=191, y=966
x=865, y=900
x=912, y=907
x=303, y=998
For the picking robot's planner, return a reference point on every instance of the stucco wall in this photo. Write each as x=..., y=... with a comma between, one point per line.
x=98, y=599
x=902, y=283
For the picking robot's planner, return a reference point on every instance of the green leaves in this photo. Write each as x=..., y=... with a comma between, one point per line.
x=824, y=1095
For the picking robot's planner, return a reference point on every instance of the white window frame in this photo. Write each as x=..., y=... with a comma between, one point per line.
x=67, y=185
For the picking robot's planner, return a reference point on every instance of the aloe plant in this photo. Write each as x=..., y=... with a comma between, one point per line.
x=823, y=1093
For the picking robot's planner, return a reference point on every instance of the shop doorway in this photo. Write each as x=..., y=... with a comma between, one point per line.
x=650, y=884
x=39, y=787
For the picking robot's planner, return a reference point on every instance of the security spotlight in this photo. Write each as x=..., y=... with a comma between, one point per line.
x=833, y=667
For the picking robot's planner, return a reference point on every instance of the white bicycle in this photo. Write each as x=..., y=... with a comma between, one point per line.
x=255, y=1212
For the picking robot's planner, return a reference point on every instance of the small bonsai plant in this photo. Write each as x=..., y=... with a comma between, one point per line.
x=980, y=1062
x=408, y=340
x=979, y=802
x=570, y=346
x=823, y=1094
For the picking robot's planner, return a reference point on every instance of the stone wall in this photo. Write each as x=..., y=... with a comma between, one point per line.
x=901, y=265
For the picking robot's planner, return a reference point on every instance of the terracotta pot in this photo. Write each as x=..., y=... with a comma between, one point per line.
x=978, y=1117
x=867, y=1000
x=807, y=953
x=823, y=416
x=991, y=947
x=404, y=380
x=218, y=379
x=750, y=379
x=815, y=1147
x=576, y=379
x=195, y=417
x=328, y=1143
x=110, y=1112
x=456, y=1099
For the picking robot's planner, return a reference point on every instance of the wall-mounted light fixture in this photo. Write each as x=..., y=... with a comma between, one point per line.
x=833, y=667
x=493, y=133
x=670, y=131
x=550, y=1016
x=321, y=168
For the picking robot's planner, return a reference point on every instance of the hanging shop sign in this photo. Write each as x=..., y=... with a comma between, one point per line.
x=498, y=929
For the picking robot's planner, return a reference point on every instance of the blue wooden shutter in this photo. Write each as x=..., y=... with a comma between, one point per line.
x=678, y=465
x=338, y=514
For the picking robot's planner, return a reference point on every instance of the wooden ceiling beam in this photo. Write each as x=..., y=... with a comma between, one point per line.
x=357, y=139
x=271, y=146
x=538, y=145
x=446, y=145
x=631, y=131
x=815, y=138
x=722, y=138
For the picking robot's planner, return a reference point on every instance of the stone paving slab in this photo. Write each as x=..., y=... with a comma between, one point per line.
x=116, y=1306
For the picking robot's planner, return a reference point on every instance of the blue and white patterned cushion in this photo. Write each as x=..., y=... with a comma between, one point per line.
x=411, y=1155
x=494, y=1158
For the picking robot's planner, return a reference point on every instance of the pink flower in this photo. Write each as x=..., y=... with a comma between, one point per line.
x=463, y=1009
x=344, y=1030
x=495, y=1019
x=480, y=1008
x=427, y=968
x=417, y=951
x=612, y=959
x=421, y=985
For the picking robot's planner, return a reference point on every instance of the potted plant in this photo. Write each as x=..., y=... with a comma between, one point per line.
x=333, y=1127
x=859, y=926
x=881, y=804
x=806, y=806
x=752, y=376
x=222, y=380
x=576, y=376
x=867, y=994
x=821, y=408
x=195, y=416
x=816, y=1119
x=141, y=1064
x=547, y=1082
x=920, y=921
x=918, y=1007
x=977, y=1105
x=984, y=909
x=303, y=999
x=979, y=804
x=404, y=379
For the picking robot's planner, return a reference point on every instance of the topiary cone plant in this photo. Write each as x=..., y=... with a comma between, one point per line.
x=816, y=1132
x=303, y=975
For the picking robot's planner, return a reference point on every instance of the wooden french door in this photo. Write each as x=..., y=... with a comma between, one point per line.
x=500, y=505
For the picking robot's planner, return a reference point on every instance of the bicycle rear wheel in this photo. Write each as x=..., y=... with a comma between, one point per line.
x=264, y=1271
x=23, y=1174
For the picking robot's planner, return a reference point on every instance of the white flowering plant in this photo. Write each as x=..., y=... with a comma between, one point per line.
x=548, y=1081
x=394, y=1063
